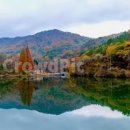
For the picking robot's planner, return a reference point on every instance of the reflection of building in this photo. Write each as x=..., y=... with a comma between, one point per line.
x=25, y=61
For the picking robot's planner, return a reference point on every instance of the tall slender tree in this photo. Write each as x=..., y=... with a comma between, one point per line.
x=25, y=57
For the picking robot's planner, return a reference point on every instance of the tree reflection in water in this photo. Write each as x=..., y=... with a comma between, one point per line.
x=114, y=93
x=26, y=88
x=59, y=96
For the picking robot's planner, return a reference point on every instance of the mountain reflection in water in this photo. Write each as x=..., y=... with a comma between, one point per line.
x=59, y=96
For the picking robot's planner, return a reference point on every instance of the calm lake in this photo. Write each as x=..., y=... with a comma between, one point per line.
x=72, y=104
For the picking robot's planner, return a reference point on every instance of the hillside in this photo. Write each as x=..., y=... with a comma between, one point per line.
x=111, y=59
x=51, y=43
x=115, y=44
x=107, y=56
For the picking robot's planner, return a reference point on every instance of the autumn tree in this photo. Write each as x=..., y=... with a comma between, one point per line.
x=25, y=58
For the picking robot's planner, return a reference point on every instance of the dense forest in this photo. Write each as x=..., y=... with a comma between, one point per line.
x=110, y=59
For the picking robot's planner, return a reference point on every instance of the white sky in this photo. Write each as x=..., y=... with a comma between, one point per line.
x=93, y=18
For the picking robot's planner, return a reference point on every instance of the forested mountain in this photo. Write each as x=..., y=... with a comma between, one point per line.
x=110, y=59
x=51, y=43
x=48, y=43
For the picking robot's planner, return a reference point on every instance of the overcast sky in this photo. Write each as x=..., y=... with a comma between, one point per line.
x=93, y=18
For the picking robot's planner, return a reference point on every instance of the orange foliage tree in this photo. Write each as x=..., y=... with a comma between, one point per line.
x=25, y=59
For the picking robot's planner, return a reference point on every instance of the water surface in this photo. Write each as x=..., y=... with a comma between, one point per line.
x=75, y=103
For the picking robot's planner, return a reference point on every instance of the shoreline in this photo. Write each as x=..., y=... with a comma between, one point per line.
x=18, y=76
